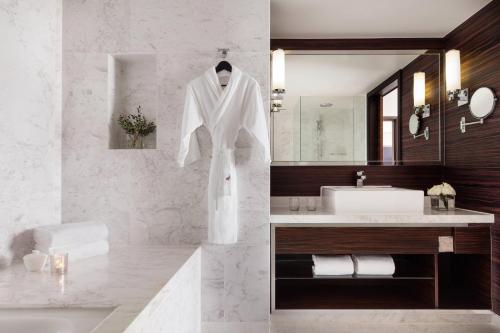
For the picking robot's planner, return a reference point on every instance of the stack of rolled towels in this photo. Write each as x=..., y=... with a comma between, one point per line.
x=353, y=265
x=80, y=240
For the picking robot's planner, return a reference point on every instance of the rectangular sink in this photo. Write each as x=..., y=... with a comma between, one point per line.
x=351, y=200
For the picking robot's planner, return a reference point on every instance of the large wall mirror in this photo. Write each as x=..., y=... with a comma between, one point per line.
x=354, y=108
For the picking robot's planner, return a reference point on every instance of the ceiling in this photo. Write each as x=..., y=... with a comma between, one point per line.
x=340, y=74
x=369, y=18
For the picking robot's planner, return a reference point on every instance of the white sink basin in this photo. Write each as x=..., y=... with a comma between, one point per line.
x=351, y=200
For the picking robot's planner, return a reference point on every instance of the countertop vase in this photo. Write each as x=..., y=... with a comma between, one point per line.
x=443, y=202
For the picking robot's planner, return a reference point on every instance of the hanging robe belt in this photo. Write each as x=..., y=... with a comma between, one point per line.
x=224, y=160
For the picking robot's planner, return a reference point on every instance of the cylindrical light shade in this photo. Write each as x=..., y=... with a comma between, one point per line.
x=278, y=70
x=419, y=89
x=453, y=81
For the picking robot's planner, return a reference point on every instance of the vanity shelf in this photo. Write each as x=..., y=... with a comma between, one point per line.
x=412, y=267
x=424, y=277
x=354, y=294
x=298, y=288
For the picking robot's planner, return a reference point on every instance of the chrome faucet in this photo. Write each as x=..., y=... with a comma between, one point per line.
x=360, y=178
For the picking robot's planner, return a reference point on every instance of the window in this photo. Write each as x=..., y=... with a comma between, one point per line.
x=389, y=130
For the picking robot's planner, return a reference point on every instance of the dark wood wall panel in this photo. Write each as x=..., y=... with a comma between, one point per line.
x=414, y=150
x=472, y=240
x=307, y=180
x=478, y=42
x=358, y=44
x=473, y=158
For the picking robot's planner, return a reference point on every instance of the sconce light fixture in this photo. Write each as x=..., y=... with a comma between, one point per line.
x=453, y=79
x=421, y=108
x=278, y=79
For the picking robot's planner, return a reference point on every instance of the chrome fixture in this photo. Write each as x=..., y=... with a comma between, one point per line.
x=223, y=52
x=453, y=79
x=277, y=96
x=482, y=104
x=360, y=178
x=414, y=127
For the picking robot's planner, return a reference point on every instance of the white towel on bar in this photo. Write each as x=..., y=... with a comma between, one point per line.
x=333, y=265
x=82, y=251
x=68, y=234
x=373, y=264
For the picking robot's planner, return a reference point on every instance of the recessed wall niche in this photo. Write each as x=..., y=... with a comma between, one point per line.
x=131, y=83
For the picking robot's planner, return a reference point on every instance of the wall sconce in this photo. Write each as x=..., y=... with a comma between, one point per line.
x=453, y=79
x=278, y=80
x=419, y=95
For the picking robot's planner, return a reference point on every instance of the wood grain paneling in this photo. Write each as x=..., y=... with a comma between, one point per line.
x=358, y=240
x=472, y=240
x=307, y=180
x=473, y=158
x=420, y=150
x=358, y=44
x=478, y=42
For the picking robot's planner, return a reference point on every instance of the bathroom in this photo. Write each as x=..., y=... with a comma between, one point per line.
x=146, y=252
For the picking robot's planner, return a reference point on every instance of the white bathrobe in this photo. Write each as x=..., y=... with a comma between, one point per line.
x=223, y=111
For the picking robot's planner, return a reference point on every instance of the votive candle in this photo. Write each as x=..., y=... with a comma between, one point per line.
x=59, y=263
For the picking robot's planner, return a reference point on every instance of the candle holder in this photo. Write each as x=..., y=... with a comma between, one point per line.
x=59, y=263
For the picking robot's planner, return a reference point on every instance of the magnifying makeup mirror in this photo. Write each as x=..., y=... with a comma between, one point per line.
x=414, y=126
x=482, y=104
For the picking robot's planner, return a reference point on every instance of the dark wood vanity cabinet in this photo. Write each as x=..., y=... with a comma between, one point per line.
x=425, y=278
x=328, y=240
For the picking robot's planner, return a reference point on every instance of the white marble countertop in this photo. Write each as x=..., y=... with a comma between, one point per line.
x=126, y=279
x=281, y=214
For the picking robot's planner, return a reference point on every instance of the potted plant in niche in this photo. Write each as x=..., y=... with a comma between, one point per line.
x=136, y=127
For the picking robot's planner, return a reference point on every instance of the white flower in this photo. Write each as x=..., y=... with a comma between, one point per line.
x=435, y=190
x=447, y=189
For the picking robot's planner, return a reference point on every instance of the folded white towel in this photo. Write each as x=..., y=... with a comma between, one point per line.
x=82, y=251
x=333, y=265
x=373, y=264
x=68, y=234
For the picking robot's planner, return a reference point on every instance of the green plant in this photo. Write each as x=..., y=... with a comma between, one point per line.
x=136, y=125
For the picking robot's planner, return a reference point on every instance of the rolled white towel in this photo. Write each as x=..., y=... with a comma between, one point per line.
x=333, y=265
x=82, y=251
x=373, y=264
x=68, y=234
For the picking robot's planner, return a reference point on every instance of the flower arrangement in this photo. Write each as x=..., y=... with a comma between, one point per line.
x=137, y=127
x=442, y=196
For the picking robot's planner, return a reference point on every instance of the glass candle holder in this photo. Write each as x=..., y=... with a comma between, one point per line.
x=311, y=204
x=294, y=204
x=59, y=263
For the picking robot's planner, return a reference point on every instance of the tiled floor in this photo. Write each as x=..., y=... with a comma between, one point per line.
x=396, y=321
x=368, y=321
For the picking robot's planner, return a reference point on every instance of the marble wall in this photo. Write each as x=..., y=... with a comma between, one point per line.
x=177, y=306
x=30, y=112
x=142, y=195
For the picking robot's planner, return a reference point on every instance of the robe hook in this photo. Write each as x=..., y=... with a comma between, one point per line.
x=223, y=52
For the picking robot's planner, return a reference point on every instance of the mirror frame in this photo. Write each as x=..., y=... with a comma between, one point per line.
x=435, y=45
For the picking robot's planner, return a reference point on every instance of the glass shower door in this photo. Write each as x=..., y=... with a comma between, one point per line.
x=326, y=129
